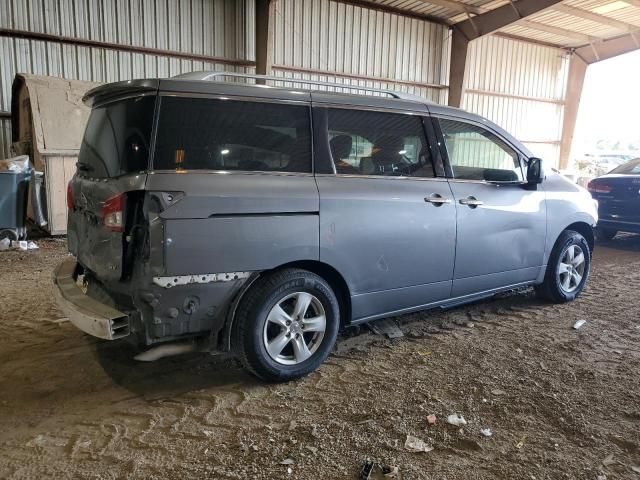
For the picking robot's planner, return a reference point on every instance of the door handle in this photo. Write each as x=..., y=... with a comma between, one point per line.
x=471, y=202
x=437, y=199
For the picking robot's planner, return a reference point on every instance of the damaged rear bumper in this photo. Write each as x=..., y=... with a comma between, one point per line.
x=86, y=313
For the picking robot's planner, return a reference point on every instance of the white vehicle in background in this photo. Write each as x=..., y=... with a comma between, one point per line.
x=590, y=166
x=609, y=162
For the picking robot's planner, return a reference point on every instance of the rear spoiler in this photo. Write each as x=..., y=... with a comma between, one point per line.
x=114, y=91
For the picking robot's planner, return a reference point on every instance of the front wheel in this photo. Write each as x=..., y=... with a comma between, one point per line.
x=568, y=268
x=286, y=325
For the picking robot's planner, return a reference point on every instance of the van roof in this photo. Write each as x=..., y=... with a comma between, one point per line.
x=206, y=78
x=212, y=76
x=207, y=83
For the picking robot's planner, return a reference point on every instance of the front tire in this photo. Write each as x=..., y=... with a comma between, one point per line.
x=568, y=268
x=286, y=325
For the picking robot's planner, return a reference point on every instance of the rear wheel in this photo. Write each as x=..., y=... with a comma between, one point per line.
x=568, y=268
x=286, y=325
x=9, y=233
x=603, y=234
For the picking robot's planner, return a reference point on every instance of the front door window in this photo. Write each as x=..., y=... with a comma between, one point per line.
x=476, y=153
x=378, y=143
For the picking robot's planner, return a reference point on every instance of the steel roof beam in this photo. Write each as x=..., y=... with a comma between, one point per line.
x=489, y=22
x=383, y=7
x=455, y=6
x=605, y=49
x=595, y=17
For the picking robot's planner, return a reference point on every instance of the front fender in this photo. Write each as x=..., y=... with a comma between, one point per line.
x=567, y=204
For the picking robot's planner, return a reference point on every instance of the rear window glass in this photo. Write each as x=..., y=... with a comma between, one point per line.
x=629, y=168
x=213, y=134
x=116, y=140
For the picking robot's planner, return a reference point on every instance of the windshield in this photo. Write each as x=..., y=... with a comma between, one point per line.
x=116, y=140
x=629, y=168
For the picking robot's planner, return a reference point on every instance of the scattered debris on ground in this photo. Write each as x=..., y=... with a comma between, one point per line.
x=456, y=420
x=579, y=324
x=7, y=244
x=386, y=326
x=414, y=444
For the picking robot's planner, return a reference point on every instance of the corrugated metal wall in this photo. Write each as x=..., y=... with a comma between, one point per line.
x=520, y=86
x=359, y=46
x=220, y=28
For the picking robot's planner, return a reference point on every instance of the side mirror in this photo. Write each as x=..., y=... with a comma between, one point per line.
x=534, y=171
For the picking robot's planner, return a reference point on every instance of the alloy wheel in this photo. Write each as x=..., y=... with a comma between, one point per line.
x=571, y=268
x=294, y=328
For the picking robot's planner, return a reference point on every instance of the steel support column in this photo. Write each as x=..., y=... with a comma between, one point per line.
x=475, y=27
x=264, y=15
x=575, y=82
x=457, y=68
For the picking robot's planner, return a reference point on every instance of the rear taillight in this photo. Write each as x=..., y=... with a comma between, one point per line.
x=113, y=213
x=70, y=204
x=596, y=187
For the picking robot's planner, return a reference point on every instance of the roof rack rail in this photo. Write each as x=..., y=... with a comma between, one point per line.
x=210, y=76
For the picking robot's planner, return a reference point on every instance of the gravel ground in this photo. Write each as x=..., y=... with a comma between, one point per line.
x=561, y=403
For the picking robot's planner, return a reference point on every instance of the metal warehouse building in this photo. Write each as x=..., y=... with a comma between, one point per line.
x=520, y=63
x=373, y=256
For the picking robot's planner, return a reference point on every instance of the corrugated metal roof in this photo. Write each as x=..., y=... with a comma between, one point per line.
x=579, y=30
x=438, y=8
x=575, y=24
x=538, y=36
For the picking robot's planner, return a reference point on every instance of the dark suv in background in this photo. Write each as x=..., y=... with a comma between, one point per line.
x=259, y=220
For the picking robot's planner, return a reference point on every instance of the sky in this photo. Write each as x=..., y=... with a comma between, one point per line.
x=610, y=104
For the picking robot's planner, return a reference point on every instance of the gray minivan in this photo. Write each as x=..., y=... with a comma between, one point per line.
x=259, y=220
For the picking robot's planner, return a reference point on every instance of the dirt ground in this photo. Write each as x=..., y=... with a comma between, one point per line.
x=561, y=403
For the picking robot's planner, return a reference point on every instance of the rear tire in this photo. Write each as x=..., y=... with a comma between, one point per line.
x=604, y=234
x=286, y=325
x=567, y=270
x=9, y=233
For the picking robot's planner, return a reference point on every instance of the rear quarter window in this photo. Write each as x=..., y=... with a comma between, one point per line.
x=215, y=134
x=117, y=138
x=629, y=168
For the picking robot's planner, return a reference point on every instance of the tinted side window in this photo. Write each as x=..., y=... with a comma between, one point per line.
x=378, y=143
x=116, y=140
x=477, y=154
x=211, y=134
